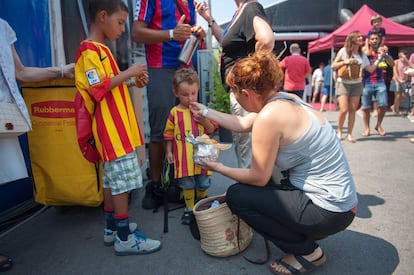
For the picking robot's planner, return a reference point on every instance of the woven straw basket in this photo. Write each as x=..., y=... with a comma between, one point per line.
x=222, y=233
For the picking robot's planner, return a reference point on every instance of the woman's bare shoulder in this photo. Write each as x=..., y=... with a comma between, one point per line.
x=279, y=111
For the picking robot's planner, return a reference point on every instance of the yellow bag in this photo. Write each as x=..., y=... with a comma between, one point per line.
x=62, y=176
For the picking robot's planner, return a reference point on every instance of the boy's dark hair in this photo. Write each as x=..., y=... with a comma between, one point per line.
x=187, y=75
x=110, y=6
x=374, y=33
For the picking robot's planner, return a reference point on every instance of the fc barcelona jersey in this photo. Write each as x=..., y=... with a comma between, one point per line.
x=376, y=76
x=181, y=124
x=115, y=127
x=164, y=15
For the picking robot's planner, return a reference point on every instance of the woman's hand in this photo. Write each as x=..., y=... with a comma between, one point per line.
x=197, y=109
x=210, y=165
x=203, y=10
x=68, y=70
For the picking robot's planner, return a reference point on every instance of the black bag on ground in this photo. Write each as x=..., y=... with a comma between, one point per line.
x=164, y=192
x=168, y=186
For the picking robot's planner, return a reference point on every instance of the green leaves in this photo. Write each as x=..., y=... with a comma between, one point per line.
x=219, y=97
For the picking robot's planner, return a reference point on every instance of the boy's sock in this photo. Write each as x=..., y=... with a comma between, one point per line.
x=189, y=198
x=109, y=218
x=201, y=194
x=122, y=225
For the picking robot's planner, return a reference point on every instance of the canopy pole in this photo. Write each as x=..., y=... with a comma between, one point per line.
x=331, y=81
x=56, y=33
x=210, y=54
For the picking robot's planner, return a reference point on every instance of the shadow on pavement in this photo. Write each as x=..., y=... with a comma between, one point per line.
x=351, y=252
x=364, y=202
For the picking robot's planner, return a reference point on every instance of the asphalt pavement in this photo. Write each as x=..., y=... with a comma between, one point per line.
x=380, y=241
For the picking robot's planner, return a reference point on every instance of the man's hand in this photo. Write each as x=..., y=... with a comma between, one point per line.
x=199, y=32
x=182, y=31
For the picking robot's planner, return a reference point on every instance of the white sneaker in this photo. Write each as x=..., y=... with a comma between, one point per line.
x=136, y=244
x=109, y=235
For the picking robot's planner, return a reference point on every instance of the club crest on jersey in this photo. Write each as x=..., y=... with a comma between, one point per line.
x=93, y=77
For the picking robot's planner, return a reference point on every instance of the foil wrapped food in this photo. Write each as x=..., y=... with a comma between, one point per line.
x=206, y=148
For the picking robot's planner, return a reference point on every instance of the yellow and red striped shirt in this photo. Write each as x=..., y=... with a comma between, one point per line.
x=115, y=127
x=181, y=124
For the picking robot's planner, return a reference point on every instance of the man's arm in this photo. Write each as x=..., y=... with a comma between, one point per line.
x=141, y=33
x=384, y=53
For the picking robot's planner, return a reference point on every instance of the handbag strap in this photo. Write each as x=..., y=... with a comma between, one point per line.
x=267, y=257
x=261, y=261
x=238, y=232
x=180, y=9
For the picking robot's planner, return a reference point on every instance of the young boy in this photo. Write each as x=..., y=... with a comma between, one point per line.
x=115, y=126
x=180, y=124
x=376, y=22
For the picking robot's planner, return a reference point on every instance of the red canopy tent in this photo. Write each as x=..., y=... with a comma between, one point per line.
x=396, y=34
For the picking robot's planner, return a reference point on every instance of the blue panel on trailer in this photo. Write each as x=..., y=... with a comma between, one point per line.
x=30, y=20
x=15, y=192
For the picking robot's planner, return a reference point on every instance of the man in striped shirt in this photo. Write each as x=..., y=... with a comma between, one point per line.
x=374, y=84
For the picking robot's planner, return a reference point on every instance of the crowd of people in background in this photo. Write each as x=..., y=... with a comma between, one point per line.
x=370, y=90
